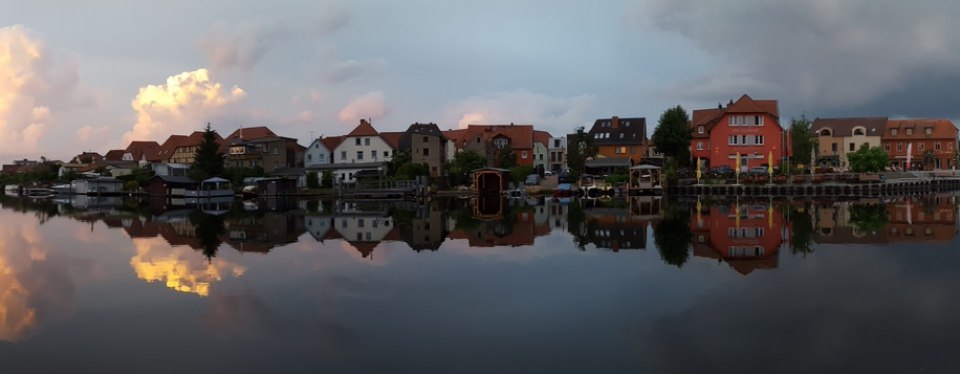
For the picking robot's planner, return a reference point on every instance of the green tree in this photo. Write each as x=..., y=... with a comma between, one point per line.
x=868, y=159
x=327, y=181
x=313, y=180
x=580, y=148
x=397, y=161
x=672, y=234
x=208, y=161
x=520, y=173
x=463, y=163
x=505, y=158
x=411, y=170
x=869, y=218
x=673, y=135
x=802, y=221
x=803, y=140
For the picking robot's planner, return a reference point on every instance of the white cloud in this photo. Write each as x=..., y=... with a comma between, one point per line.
x=89, y=135
x=241, y=47
x=370, y=105
x=183, y=104
x=557, y=115
x=354, y=69
x=33, y=86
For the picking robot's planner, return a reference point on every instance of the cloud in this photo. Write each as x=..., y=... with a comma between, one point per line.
x=370, y=105
x=555, y=114
x=88, y=134
x=823, y=55
x=237, y=47
x=332, y=18
x=353, y=69
x=33, y=86
x=179, y=106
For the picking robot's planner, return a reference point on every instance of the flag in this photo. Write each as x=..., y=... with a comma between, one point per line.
x=698, y=168
x=736, y=164
x=770, y=162
x=909, y=154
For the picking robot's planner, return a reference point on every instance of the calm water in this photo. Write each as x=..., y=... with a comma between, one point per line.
x=485, y=286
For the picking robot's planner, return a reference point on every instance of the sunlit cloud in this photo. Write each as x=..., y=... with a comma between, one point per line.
x=179, y=268
x=554, y=114
x=92, y=135
x=32, y=85
x=369, y=106
x=183, y=104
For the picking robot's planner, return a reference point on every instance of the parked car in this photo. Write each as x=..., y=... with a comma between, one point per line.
x=548, y=173
x=532, y=179
x=564, y=177
x=758, y=171
x=721, y=171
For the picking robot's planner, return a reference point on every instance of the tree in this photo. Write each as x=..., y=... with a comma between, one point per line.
x=504, y=157
x=520, y=173
x=208, y=161
x=579, y=148
x=869, y=218
x=397, y=161
x=313, y=180
x=672, y=234
x=411, y=170
x=327, y=181
x=463, y=163
x=803, y=139
x=868, y=159
x=673, y=135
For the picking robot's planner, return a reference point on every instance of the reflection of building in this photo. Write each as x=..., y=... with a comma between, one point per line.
x=930, y=219
x=832, y=226
x=518, y=223
x=426, y=229
x=254, y=233
x=746, y=236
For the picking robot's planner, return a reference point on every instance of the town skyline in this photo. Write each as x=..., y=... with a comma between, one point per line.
x=319, y=67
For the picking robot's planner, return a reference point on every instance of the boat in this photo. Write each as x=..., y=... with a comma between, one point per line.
x=40, y=192
x=12, y=190
x=249, y=191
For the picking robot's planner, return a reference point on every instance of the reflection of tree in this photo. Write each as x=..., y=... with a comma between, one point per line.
x=576, y=224
x=672, y=235
x=209, y=228
x=802, y=221
x=870, y=218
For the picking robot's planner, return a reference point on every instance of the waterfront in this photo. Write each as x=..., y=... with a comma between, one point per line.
x=537, y=285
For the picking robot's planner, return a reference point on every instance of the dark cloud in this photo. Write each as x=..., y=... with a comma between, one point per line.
x=237, y=47
x=870, y=57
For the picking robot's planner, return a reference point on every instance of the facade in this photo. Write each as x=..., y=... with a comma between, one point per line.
x=932, y=143
x=426, y=145
x=624, y=138
x=140, y=151
x=363, y=145
x=747, y=237
x=558, y=153
x=269, y=152
x=317, y=153
x=491, y=140
x=541, y=150
x=839, y=136
x=748, y=127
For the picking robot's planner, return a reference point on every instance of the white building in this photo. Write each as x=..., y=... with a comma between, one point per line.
x=361, y=149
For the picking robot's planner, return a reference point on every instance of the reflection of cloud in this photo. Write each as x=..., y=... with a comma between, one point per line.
x=543, y=247
x=180, y=268
x=370, y=106
x=229, y=312
x=15, y=315
x=179, y=106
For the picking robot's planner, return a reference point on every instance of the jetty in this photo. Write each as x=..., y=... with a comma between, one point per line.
x=838, y=185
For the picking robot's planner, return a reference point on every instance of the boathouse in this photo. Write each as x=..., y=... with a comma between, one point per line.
x=489, y=180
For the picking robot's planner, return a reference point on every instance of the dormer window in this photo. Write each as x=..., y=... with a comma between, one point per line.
x=928, y=131
x=700, y=129
x=825, y=132
x=893, y=132
x=909, y=131
x=500, y=143
x=858, y=131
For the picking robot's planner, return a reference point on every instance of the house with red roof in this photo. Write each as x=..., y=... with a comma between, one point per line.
x=490, y=140
x=748, y=127
x=932, y=143
x=363, y=148
x=252, y=147
x=541, y=150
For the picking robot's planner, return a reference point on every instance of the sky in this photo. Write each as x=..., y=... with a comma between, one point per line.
x=93, y=75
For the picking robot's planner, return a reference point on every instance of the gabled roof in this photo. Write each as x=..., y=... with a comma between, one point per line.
x=746, y=104
x=708, y=118
x=249, y=133
x=392, y=139
x=422, y=129
x=332, y=142
x=521, y=136
x=844, y=126
x=542, y=137
x=455, y=136
x=139, y=149
x=114, y=155
x=619, y=131
x=363, y=129
x=166, y=150
x=940, y=129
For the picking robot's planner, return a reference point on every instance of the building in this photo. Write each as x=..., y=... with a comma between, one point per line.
x=839, y=136
x=558, y=153
x=361, y=149
x=317, y=153
x=87, y=158
x=620, y=138
x=140, y=151
x=491, y=140
x=932, y=143
x=745, y=236
x=541, y=150
x=748, y=127
x=261, y=147
x=426, y=145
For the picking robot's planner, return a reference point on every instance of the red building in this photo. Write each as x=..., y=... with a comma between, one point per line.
x=746, y=236
x=750, y=127
x=932, y=143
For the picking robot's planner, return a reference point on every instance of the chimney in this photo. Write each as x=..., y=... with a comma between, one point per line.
x=719, y=105
x=730, y=103
x=615, y=122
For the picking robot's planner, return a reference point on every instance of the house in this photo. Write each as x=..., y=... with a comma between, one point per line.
x=268, y=152
x=617, y=137
x=747, y=127
x=169, y=186
x=932, y=143
x=179, y=149
x=491, y=140
x=140, y=151
x=558, y=153
x=114, y=155
x=745, y=236
x=426, y=145
x=541, y=150
x=839, y=136
x=98, y=186
x=317, y=153
x=361, y=149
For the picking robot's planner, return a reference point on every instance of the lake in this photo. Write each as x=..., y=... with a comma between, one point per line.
x=480, y=285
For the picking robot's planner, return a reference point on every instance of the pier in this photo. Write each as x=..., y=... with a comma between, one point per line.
x=889, y=187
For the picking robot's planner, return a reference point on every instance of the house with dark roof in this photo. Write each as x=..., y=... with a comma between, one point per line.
x=839, y=136
x=620, y=138
x=87, y=158
x=748, y=127
x=260, y=147
x=317, y=153
x=931, y=143
x=114, y=155
x=426, y=145
x=140, y=151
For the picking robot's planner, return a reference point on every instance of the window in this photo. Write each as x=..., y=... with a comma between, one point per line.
x=893, y=132
x=886, y=147
x=833, y=147
x=500, y=142
x=366, y=141
x=556, y=143
x=541, y=157
x=425, y=140
x=623, y=149
x=758, y=120
x=699, y=129
x=633, y=149
x=825, y=132
x=936, y=146
x=743, y=139
x=758, y=140
x=920, y=146
x=359, y=155
x=359, y=222
x=928, y=131
x=908, y=131
x=732, y=140
x=853, y=147
x=523, y=154
x=858, y=131
x=343, y=155
x=357, y=141
x=373, y=155
x=321, y=157
x=426, y=151
x=699, y=146
x=899, y=147
x=309, y=157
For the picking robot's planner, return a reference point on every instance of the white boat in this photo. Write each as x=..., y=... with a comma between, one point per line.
x=40, y=192
x=12, y=190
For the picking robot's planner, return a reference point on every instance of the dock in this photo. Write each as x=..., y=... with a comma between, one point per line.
x=888, y=187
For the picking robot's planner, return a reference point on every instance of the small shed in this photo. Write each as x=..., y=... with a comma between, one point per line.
x=646, y=179
x=276, y=187
x=489, y=181
x=215, y=186
x=98, y=186
x=170, y=186
x=607, y=165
